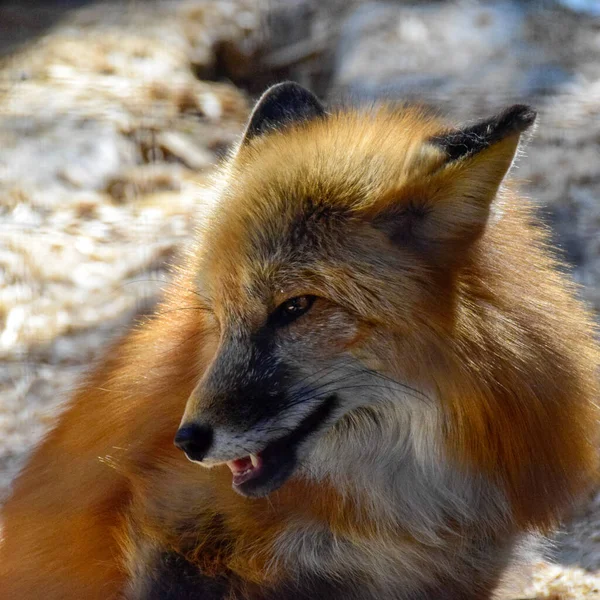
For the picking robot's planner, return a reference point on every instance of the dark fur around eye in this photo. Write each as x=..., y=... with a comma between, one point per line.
x=290, y=310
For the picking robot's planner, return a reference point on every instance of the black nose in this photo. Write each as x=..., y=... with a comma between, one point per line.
x=194, y=440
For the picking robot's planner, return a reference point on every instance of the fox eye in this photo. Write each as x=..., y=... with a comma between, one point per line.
x=291, y=309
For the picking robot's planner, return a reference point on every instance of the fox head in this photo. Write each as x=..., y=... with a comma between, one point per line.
x=332, y=272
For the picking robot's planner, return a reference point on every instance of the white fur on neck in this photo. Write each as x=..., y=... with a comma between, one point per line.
x=389, y=456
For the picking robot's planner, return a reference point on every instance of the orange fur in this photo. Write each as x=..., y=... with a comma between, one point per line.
x=480, y=316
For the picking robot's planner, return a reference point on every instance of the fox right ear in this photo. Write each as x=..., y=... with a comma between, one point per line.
x=448, y=209
x=282, y=105
x=462, y=143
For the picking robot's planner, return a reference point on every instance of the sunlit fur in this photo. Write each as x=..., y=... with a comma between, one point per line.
x=466, y=372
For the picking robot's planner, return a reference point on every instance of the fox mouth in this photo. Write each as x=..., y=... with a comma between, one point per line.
x=257, y=475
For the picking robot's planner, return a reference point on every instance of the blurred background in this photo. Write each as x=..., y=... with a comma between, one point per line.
x=113, y=114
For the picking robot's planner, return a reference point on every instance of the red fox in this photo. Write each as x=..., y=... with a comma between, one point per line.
x=368, y=380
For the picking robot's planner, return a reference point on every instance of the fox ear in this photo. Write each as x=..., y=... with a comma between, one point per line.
x=465, y=142
x=448, y=209
x=282, y=105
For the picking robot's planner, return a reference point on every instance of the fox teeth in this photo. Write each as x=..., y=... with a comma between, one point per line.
x=254, y=460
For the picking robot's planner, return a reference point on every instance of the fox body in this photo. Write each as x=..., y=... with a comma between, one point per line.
x=382, y=381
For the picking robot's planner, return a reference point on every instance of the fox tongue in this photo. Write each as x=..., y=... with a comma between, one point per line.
x=239, y=465
x=244, y=469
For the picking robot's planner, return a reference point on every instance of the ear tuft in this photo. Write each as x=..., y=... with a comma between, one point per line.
x=460, y=143
x=516, y=118
x=282, y=105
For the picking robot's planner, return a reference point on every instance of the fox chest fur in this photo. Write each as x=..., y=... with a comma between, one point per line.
x=377, y=381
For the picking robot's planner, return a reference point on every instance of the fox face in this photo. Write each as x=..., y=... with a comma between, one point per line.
x=287, y=364
x=330, y=272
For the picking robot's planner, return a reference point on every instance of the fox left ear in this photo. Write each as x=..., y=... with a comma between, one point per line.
x=282, y=105
x=448, y=208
